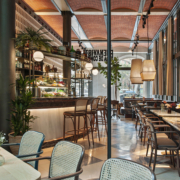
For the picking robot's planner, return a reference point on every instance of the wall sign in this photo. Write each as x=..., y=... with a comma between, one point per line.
x=98, y=55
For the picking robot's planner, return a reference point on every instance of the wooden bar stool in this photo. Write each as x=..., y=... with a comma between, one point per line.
x=80, y=110
x=94, y=115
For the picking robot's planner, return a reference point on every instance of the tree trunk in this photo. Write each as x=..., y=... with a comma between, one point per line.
x=116, y=91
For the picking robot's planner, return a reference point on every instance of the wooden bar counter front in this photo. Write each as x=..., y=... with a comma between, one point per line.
x=49, y=112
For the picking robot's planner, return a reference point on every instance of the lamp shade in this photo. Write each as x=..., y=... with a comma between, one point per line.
x=95, y=72
x=148, y=71
x=89, y=66
x=135, y=76
x=38, y=56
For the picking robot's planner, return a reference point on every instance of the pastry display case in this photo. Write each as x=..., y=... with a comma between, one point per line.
x=51, y=85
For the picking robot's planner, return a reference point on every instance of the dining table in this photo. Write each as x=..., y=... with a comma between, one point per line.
x=173, y=121
x=148, y=108
x=15, y=169
x=164, y=113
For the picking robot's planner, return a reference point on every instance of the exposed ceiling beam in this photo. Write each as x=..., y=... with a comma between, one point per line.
x=113, y=41
x=100, y=13
x=141, y=7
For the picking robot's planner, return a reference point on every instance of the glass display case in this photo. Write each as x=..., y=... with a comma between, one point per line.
x=51, y=85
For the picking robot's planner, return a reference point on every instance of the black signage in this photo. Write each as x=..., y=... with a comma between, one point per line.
x=98, y=55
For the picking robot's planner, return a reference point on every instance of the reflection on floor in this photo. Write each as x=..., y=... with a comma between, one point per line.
x=125, y=144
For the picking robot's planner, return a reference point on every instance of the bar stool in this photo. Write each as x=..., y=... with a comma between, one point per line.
x=94, y=115
x=101, y=108
x=80, y=110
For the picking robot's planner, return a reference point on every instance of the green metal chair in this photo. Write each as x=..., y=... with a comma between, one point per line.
x=30, y=146
x=65, y=162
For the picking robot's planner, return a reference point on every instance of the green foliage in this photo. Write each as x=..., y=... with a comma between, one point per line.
x=33, y=37
x=115, y=74
x=20, y=116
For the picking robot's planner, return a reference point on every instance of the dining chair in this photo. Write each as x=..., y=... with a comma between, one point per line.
x=167, y=144
x=65, y=161
x=122, y=169
x=30, y=146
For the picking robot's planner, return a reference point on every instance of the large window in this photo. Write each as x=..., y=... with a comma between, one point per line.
x=128, y=89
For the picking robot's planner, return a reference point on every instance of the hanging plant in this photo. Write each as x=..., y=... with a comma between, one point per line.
x=33, y=39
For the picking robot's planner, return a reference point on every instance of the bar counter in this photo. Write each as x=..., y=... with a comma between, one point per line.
x=49, y=112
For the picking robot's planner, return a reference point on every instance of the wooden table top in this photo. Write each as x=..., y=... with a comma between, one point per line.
x=142, y=104
x=152, y=107
x=173, y=121
x=16, y=169
x=164, y=113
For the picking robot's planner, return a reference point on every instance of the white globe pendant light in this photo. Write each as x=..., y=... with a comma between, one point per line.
x=135, y=76
x=95, y=72
x=89, y=66
x=38, y=56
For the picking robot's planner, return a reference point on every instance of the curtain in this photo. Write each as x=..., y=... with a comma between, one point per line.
x=160, y=64
x=154, y=58
x=169, y=84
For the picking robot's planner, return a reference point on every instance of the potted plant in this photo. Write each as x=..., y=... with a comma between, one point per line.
x=20, y=115
x=115, y=74
x=32, y=39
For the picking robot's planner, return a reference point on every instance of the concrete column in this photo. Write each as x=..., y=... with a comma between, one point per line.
x=7, y=61
x=67, y=38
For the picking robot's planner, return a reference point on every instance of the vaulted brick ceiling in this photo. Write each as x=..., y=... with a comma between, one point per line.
x=122, y=27
x=94, y=25
x=160, y=4
x=154, y=23
x=132, y=5
x=85, y=4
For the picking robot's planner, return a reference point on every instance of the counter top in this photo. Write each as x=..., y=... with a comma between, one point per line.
x=43, y=103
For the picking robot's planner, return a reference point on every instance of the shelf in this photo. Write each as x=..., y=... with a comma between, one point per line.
x=28, y=69
x=60, y=87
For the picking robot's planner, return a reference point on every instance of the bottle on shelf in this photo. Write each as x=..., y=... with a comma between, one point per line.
x=39, y=67
x=72, y=52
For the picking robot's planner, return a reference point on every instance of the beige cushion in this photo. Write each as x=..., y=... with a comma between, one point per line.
x=165, y=142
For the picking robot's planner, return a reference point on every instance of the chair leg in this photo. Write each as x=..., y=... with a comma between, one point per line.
x=87, y=128
x=92, y=121
x=155, y=157
x=178, y=162
x=147, y=148
x=79, y=126
x=75, y=139
x=64, y=128
x=173, y=158
x=144, y=135
x=97, y=125
x=151, y=157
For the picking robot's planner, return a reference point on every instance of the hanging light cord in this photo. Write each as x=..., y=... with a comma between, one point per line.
x=148, y=35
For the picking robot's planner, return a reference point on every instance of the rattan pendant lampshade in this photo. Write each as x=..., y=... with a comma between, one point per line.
x=148, y=71
x=135, y=76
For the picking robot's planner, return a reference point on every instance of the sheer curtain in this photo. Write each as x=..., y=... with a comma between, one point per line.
x=169, y=85
x=160, y=64
x=154, y=58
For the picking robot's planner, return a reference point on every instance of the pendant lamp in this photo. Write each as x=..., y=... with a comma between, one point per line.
x=135, y=76
x=148, y=71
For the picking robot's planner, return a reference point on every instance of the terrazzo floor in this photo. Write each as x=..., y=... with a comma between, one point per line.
x=125, y=144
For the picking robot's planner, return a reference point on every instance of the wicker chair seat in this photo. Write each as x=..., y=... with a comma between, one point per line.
x=72, y=113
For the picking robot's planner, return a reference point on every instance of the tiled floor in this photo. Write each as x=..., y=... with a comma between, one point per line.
x=125, y=144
